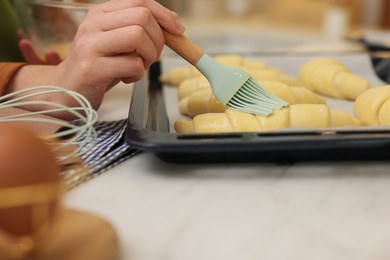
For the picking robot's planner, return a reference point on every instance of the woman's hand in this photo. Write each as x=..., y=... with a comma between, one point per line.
x=118, y=40
x=31, y=56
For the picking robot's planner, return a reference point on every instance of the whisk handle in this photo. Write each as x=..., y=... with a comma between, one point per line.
x=183, y=47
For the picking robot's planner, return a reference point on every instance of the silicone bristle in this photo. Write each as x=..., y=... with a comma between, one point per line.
x=253, y=98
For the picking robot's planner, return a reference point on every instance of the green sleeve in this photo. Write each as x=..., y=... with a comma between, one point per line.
x=9, y=49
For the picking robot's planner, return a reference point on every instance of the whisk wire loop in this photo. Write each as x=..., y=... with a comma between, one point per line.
x=80, y=132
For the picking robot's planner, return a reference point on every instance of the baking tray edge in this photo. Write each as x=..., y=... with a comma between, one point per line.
x=148, y=130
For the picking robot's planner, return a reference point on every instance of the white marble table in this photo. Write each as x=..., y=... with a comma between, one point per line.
x=240, y=211
x=318, y=210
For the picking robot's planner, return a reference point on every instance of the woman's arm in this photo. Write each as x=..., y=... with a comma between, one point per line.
x=118, y=40
x=7, y=71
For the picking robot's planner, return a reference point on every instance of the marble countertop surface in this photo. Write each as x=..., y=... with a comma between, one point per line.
x=316, y=210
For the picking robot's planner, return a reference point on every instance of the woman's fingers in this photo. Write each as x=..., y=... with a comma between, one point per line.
x=29, y=53
x=131, y=39
x=139, y=17
x=121, y=32
x=52, y=58
x=31, y=56
x=165, y=17
x=124, y=26
x=124, y=67
x=118, y=40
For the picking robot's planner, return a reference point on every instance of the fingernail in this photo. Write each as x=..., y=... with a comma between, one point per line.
x=179, y=25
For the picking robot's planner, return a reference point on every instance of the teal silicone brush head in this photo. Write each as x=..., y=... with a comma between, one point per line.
x=232, y=87
x=236, y=89
x=253, y=98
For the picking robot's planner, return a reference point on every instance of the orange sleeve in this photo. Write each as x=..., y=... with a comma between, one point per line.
x=7, y=71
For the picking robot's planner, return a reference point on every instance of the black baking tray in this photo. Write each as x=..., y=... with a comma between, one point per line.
x=148, y=130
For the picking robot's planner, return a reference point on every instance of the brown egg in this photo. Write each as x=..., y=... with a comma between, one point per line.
x=29, y=180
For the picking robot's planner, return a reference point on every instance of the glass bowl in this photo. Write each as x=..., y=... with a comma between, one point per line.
x=52, y=24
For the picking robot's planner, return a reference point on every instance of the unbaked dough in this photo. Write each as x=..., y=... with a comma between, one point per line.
x=300, y=115
x=329, y=77
x=372, y=107
x=203, y=101
x=177, y=75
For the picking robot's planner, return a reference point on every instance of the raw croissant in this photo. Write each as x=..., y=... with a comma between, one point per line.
x=301, y=115
x=291, y=94
x=235, y=60
x=329, y=77
x=372, y=107
x=189, y=86
x=200, y=102
x=275, y=75
x=177, y=75
x=203, y=101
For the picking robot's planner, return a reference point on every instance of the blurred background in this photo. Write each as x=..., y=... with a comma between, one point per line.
x=234, y=25
x=309, y=14
x=290, y=26
x=277, y=24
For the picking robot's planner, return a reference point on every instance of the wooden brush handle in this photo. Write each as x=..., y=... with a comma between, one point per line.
x=183, y=47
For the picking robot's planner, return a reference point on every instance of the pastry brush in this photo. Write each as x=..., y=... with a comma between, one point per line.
x=233, y=87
